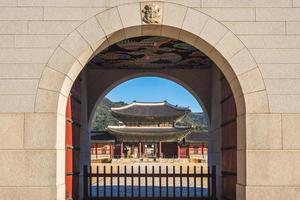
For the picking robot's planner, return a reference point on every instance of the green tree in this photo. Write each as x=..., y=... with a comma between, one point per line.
x=103, y=117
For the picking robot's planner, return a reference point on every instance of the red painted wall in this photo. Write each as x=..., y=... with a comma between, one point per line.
x=184, y=152
x=198, y=149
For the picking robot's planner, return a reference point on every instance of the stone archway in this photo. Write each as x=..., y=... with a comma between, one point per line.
x=189, y=25
x=135, y=75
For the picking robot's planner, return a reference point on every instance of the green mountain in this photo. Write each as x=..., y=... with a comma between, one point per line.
x=197, y=120
x=103, y=118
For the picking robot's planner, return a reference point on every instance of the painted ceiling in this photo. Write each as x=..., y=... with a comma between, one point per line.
x=150, y=52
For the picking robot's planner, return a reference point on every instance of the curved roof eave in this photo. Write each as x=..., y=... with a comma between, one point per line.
x=151, y=104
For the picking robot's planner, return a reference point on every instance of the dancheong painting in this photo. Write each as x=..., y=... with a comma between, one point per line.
x=150, y=52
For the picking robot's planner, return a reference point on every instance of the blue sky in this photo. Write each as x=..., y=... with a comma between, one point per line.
x=154, y=89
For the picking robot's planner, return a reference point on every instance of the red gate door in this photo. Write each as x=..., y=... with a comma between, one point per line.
x=229, y=142
x=73, y=118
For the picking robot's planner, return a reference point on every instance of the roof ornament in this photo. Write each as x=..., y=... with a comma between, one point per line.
x=151, y=14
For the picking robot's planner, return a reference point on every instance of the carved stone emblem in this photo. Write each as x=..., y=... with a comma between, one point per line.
x=151, y=14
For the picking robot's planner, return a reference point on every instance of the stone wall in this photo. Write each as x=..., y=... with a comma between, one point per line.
x=33, y=83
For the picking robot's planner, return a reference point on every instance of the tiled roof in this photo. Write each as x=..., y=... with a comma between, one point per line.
x=150, y=109
x=102, y=136
x=148, y=133
x=195, y=137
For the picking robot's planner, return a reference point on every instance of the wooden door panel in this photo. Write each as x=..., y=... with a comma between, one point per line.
x=228, y=110
x=76, y=136
x=229, y=161
x=229, y=138
x=229, y=142
x=225, y=88
x=76, y=110
x=228, y=187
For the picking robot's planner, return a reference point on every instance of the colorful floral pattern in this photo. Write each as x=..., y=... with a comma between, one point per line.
x=151, y=53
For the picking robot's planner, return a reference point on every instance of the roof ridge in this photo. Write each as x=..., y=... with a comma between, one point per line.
x=147, y=127
x=150, y=104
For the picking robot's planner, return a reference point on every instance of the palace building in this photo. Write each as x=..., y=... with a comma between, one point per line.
x=148, y=131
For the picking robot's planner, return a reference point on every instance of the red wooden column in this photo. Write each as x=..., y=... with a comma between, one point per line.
x=187, y=152
x=160, y=149
x=111, y=151
x=140, y=150
x=96, y=151
x=122, y=150
x=178, y=151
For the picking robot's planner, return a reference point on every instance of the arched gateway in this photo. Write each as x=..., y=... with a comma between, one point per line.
x=175, y=21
